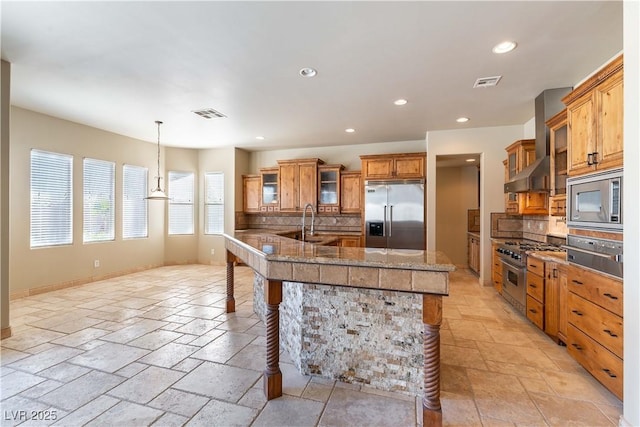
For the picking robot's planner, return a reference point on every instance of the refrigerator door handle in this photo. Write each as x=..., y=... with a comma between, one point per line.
x=384, y=222
x=390, y=219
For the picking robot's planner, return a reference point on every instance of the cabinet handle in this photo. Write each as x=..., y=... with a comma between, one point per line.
x=577, y=346
x=590, y=159
x=608, y=295
x=577, y=282
x=608, y=372
x=576, y=312
x=610, y=333
x=595, y=157
x=555, y=273
x=533, y=265
x=531, y=285
x=533, y=310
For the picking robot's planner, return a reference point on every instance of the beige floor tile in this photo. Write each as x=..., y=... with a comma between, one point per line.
x=561, y=411
x=170, y=420
x=316, y=391
x=462, y=356
x=80, y=337
x=45, y=359
x=223, y=414
x=127, y=414
x=18, y=410
x=254, y=397
x=290, y=411
x=109, y=357
x=169, y=355
x=154, y=340
x=16, y=382
x=202, y=312
x=198, y=327
x=81, y=391
x=459, y=410
x=134, y=331
x=356, y=408
x=179, y=402
x=581, y=386
x=86, y=413
x=251, y=357
x=224, y=348
x=146, y=385
x=218, y=381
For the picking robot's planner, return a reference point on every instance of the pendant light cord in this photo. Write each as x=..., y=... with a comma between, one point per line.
x=158, y=122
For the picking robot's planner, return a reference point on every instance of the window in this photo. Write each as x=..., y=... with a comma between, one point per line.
x=98, y=194
x=134, y=205
x=51, y=199
x=181, y=192
x=214, y=203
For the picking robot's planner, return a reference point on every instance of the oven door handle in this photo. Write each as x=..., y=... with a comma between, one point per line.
x=617, y=257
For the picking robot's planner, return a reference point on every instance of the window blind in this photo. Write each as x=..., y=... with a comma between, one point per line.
x=134, y=206
x=51, y=199
x=214, y=203
x=98, y=195
x=181, y=195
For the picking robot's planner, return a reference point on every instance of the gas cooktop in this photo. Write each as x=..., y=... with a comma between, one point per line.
x=529, y=245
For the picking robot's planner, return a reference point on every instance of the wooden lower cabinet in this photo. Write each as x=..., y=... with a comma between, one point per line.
x=547, y=296
x=496, y=269
x=350, y=241
x=595, y=325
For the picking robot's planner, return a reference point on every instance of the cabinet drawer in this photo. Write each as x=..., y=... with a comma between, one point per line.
x=535, y=266
x=600, y=324
x=600, y=362
x=535, y=286
x=535, y=312
x=597, y=288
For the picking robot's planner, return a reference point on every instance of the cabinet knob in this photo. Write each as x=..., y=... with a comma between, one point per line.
x=608, y=372
x=577, y=346
x=576, y=312
x=533, y=310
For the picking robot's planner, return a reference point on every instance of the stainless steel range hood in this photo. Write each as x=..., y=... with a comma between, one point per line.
x=535, y=177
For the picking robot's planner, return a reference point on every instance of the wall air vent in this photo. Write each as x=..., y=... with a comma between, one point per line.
x=487, y=81
x=209, y=113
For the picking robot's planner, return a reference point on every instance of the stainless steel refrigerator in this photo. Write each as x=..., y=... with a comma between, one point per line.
x=394, y=214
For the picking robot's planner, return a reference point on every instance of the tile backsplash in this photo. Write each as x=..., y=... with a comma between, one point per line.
x=338, y=223
x=530, y=227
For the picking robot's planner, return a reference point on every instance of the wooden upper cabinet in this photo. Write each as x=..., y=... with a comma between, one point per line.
x=251, y=193
x=351, y=189
x=329, y=190
x=393, y=166
x=269, y=190
x=298, y=184
x=521, y=154
x=595, y=121
x=558, y=164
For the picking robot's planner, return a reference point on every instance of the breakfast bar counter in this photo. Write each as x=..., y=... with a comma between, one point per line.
x=413, y=273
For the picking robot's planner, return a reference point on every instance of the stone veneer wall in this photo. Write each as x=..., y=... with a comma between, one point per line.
x=364, y=336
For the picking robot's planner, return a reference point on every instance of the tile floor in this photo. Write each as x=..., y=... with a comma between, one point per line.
x=156, y=348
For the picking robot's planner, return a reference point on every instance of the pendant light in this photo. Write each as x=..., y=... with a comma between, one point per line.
x=158, y=193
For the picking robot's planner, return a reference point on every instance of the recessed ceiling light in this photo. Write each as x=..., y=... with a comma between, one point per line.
x=462, y=119
x=260, y=137
x=350, y=130
x=470, y=160
x=308, y=72
x=400, y=101
x=504, y=47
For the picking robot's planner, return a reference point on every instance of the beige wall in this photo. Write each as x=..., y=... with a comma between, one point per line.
x=490, y=143
x=345, y=155
x=5, y=88
x=456, y=192
x=33, y=268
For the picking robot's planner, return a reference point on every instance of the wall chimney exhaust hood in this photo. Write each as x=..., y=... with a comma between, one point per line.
x=535, y=177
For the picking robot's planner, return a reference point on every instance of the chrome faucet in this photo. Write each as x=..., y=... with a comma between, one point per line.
x=313, y=218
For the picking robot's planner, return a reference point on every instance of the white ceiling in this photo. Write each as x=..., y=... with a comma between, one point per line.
x=120, y=66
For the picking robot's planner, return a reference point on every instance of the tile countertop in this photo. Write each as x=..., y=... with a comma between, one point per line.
x=279, y=248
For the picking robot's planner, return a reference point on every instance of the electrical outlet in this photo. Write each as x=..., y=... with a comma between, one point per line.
x=213, y=251
x=96, y=263
x=264, y=219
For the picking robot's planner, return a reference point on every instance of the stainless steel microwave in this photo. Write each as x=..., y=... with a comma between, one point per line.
x=595, y=200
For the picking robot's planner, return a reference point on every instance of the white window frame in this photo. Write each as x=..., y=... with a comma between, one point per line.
x=51, y=204
x=135, y=208
x=213, y=201
x=181, y=188
x=98, y=200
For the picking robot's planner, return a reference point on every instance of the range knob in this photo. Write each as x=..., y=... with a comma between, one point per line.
x=516, y=256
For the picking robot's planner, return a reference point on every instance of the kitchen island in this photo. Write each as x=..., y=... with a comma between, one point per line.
x=279, y=259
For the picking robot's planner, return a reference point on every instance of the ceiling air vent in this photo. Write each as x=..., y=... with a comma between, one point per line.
x=209, y=113
x=487, y=81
